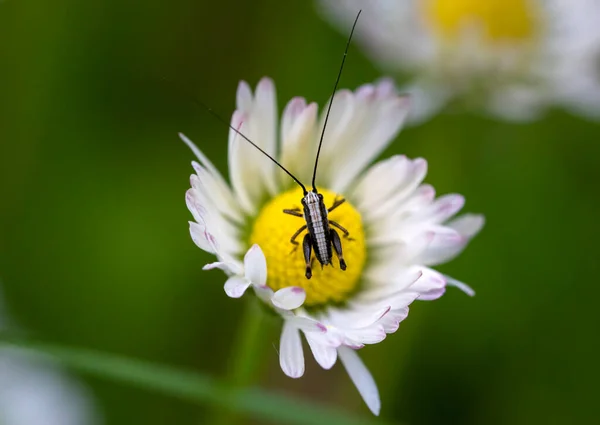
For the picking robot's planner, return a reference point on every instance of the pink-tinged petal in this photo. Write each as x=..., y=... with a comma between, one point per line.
x=192, y=200
x=255, y=265
x=236, y=286
x=243, y=99
x=396, y=300
x=362, y=378
x=391, y=321
x=265, y=112
x=298, y=139
x=385, y=87
x=369, y=335
x=375, y=123
x=403, y=299
x=206, y=163
x=446, y=206
x=430, y=286
x=203, y=240
x=222, y=265
x=291, y=112
x=241, y=155
x=305, y=323
x=324, y=354
x=356, y=319
x=446, y=244
x=214, y=183
x=264, y=293
x=460, y=285
x=383, y=286
x=289, y=298
x=291, y=357
x=467, y=225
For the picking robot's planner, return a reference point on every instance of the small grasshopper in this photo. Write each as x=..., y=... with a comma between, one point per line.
x=320, y=236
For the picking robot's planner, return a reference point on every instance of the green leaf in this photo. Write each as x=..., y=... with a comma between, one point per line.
x=193, y=386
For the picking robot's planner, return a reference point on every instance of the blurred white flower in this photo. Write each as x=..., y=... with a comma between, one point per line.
x=512, y=58
x=35, y=391
x=397, y=229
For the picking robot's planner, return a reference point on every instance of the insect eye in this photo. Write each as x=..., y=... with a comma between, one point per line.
x=320, y=196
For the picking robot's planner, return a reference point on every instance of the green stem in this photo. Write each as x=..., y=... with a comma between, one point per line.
x=190, y=385
x=245, y=358
x=247, y=350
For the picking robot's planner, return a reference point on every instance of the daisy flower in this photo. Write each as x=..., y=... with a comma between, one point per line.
x=511, y=58
x=396, y=227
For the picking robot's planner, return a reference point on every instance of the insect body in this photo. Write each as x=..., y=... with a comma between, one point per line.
x=318, y=234
x=320, y=237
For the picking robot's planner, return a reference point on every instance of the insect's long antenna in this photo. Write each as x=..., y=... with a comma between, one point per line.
x=331, y=101
x=218, y=117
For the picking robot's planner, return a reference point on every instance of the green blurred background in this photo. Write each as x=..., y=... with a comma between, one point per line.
x=95, y=251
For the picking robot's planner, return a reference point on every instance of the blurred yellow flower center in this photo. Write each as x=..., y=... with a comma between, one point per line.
x=496, y=19
x=285, y=262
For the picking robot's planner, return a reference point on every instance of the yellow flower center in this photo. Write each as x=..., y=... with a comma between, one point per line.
x=272, y=231
x=498, y=20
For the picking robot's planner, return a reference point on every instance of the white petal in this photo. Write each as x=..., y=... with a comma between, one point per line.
x=305, y=323
x=298, y=139
x=446, y=206
x=370, y=335
x=291, y=357
x=266, y=110
x=198, y=210
x=289, y=298
x=361, y=377
x=203, y=240
x=430, y=286
x=460, y=285
x=370, y=191
x=227, y=267
x=390, y=284
x=263, y=292
x=323, y=353
x=354, y=318
x=428, y=98
x=243, y=96
x=244, y=179
x=391, y=321
x=402, y=177
x=396, y=222
x=446, y=244
x=251, y=172
x=375, y=123
x=389, y=30
x=216, y=184
x=214, y=197
x=467, y=225
x=222, y=236
x=255, y=265
x=236, y=286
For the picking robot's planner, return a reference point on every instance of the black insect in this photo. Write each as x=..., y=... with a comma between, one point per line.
x=321, y=237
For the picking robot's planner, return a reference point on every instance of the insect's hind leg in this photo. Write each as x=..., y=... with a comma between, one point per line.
x=307, y=248
x=337, y=246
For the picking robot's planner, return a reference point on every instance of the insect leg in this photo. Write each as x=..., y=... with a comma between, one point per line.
x=336, y=203
x=307, y=247
x=337, y=246
x=294, y=211
x=294, y=236
x=343, y=229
